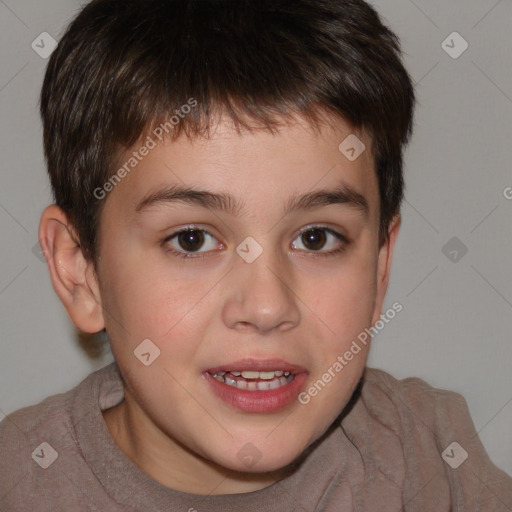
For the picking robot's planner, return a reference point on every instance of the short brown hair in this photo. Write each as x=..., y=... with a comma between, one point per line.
x=123, y=66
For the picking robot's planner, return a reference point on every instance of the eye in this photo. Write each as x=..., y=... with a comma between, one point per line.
x=315, y=238
x=194, y=242
x=187, y=242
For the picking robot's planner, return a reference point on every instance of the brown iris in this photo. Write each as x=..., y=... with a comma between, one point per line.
x=314, y=239
x=191, y=239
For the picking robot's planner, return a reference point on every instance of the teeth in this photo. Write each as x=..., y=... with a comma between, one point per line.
x=275, y=383
x=241, y=384
x=247, y=374
x=229, y=380
x=250, y=375
x=252, y=386
x=268, y=380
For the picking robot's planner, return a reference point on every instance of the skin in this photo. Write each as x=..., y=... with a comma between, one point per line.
x=290, y=303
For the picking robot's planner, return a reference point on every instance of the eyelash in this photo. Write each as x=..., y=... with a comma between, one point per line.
x=199, y=255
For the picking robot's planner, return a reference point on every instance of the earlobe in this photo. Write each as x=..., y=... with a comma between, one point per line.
x=385, y=259
x=72, y=275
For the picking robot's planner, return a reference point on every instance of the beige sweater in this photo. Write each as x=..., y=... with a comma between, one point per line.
x=384, y=453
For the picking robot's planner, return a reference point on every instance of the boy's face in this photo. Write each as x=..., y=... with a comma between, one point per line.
x=226, y=306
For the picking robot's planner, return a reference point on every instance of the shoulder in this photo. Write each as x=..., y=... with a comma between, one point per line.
x=411, y=396
x=54, y=411
x=24, y=430
x=412, y=414
x=47, y=413
x=432, y=432
x=411, y=404
x=26, y=440
x=53, y=414
x=33, y=437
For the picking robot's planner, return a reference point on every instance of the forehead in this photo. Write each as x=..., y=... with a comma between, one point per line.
x=254, y=168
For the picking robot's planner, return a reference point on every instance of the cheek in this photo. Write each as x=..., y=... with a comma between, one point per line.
x=142, y=304
x=147, y=297
x=344, y=299
x=343, y=310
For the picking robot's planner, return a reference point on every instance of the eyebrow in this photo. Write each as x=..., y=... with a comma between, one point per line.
x=343, y=194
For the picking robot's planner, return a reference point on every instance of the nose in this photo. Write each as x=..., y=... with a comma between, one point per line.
x=261, y=296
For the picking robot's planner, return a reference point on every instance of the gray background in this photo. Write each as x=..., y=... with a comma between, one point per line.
x=454, y=330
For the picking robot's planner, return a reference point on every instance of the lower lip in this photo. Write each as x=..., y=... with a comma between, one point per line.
x=258, y=401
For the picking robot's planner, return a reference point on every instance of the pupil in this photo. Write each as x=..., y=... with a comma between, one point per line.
x=313, y=238
x=189, y=239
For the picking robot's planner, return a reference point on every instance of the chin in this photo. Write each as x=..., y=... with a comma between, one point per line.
x=250, y=459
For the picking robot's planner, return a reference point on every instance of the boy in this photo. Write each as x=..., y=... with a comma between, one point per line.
x=194, y=149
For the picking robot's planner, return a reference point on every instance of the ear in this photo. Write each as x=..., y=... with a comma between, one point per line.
x=384, y=266
x=73, y=277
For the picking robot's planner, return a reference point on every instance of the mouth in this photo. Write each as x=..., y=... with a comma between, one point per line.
x=257, y=385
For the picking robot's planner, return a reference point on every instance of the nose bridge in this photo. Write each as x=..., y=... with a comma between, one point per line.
x=260, y=290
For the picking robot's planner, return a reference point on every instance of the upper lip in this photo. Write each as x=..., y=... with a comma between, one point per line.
x=260, y=365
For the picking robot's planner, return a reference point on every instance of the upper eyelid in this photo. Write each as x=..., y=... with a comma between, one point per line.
x=329, y=229
x=191, y=228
